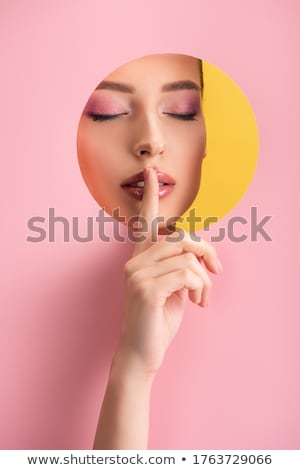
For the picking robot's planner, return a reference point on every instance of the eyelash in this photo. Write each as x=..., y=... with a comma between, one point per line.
x=110, y=117
x=183, y=117
x=104, y=117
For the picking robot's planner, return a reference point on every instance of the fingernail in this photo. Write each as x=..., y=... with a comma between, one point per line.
x=146, y=173
x=219, y=265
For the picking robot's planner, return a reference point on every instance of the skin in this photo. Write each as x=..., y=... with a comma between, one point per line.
x=158, y=278
x=164, y=130
x=162, y=273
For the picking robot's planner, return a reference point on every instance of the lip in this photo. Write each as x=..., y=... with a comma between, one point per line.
x=162, y=178
x=138, y=192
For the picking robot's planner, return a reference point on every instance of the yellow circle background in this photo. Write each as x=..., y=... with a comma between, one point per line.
x=232, y=148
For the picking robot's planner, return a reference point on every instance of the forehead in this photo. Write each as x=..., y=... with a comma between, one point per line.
x=157, y=69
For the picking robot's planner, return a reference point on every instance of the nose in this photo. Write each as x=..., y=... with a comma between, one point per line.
x=149, y=141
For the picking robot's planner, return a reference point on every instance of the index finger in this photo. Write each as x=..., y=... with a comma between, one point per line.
x=149, y=209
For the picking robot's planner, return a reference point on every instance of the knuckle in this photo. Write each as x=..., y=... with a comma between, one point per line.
x=134, y=279
x=186, y=274
x=128, y=268
x=189, y=257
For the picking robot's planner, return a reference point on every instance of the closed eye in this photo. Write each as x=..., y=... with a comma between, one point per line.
x=105, y=117
x=183, y=117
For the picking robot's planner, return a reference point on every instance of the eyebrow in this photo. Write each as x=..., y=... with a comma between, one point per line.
x=181, y=85
x=172, y=86
x=115, y=86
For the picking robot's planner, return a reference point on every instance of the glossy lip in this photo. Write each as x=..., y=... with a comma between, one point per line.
x=162, y=178
x=138, y=192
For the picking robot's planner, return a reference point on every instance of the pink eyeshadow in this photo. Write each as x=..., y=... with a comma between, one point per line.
x=186, y=106
x=104, y=106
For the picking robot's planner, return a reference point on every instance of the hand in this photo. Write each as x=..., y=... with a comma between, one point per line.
x=158, y=279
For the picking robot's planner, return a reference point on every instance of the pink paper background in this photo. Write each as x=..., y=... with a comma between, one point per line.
x=231, y=377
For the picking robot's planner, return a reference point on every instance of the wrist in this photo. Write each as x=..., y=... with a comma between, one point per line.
x=127, y=366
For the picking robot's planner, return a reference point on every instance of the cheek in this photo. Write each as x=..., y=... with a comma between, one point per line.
x=189, y=148
x=196, y=157
x=190, y=163
x=95, y=152
x=96, y=156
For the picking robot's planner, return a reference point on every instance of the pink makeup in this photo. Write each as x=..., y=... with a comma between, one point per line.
x=185, y=103
x=105, y=105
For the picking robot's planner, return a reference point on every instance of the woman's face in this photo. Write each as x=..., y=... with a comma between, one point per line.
x=146, y=113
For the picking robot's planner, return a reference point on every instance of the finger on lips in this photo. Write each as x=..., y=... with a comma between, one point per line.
x=176, y=261
x=149, y=209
